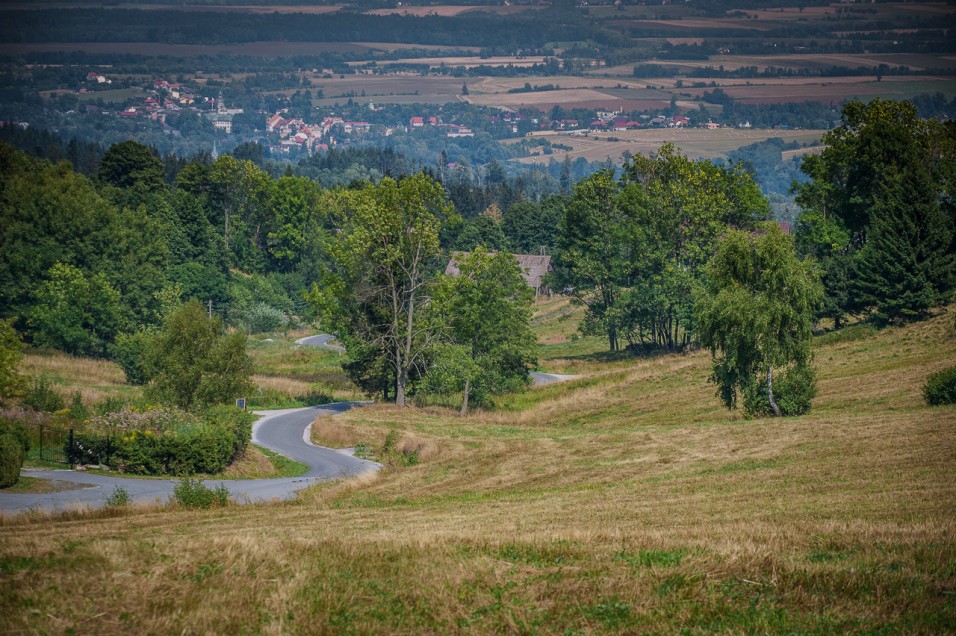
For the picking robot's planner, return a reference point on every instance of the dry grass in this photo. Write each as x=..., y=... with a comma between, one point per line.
x=95, y=379
x=252, y=464
x=626, y=501
x=287, y=386
x=696, y=143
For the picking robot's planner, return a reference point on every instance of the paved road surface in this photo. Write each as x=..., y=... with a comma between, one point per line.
x=285, y=432
x=539, y=379
x=321, y=341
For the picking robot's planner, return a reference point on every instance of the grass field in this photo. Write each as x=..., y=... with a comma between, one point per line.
x=693, y=142
x=625, y=501
x=285, y=374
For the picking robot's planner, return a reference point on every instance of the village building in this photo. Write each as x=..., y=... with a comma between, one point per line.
x=534, y=267
x=222, y=117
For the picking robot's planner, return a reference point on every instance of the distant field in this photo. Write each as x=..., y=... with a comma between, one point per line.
x=825, y=92
x=542, y=98
x=258, y=49
x=179, y=7
x=585, y=92
x=453, y=10
x=467, y=62
x=694, y=142
x=883, y=11
x=610, y=93
x=255, y=49
x=915, y=61
x=687, y=24
x=117, y=96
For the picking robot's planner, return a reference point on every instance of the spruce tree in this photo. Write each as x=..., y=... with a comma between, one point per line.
x=906, y=266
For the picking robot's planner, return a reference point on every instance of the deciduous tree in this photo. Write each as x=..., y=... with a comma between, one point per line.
x=755, y=313
x=193, y=364
x=385, y=258
x=484, y=315
x=75, y=313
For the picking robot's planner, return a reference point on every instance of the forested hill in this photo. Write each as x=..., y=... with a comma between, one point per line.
x=183, y=27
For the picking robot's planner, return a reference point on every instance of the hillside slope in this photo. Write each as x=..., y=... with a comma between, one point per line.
x=628, y=500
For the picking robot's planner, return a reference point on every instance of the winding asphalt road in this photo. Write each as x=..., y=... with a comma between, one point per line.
x=285, y=432
x=322, y=342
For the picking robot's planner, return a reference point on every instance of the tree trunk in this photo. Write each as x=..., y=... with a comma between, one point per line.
x=401, y=377
x=464, y=401
x=773, y=404
x=400, y=387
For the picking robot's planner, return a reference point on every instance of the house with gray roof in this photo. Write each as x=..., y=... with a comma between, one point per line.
x=533, y=269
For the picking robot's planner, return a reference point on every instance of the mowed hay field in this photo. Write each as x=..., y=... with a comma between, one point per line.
x=625, y=501
x=697, y=143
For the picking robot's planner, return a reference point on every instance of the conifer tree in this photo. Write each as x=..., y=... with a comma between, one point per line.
x=906, y=266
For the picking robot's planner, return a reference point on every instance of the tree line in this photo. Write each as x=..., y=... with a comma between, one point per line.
x=666, y=253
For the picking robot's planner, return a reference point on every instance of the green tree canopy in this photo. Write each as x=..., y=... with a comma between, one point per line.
x=755, y=313
x=483, y=231
x=484, y=312
x=296, y=220
x=596, y=252
x=239, y=194
x=193, y=364
x=631, y=251
x=130, y=163
x=530, y=226
x=384, y=260
x=75, y=313
x=877, y=211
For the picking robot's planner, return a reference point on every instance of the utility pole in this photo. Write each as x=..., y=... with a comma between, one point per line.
x=210, y=308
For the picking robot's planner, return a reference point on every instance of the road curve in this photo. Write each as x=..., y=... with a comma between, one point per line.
x=284, y=432
x=321, y=341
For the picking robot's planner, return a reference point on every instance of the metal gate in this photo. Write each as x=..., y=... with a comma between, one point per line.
x=51, y=444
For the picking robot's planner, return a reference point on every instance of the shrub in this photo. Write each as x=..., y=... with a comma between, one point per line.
x=89, y=448
x=41, y=395
x=119, y=498
x=77, y=411
x=165, y=441
x=940, y=388
x=11, y=460
x=237, y=421
x=130, y=352
x=793, y=391
x=192, y=493
x=17, y=431
x=262, y=317
x=11, y=353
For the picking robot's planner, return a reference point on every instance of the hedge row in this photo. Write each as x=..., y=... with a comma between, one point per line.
x=207, y=448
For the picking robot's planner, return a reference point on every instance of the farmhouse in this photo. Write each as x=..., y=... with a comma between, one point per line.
x=533, y=269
